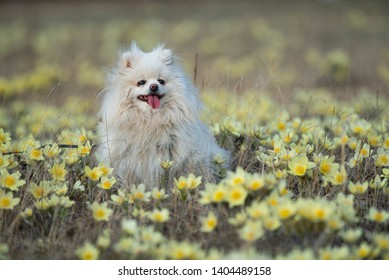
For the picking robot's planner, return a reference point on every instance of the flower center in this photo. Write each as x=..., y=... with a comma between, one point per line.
x=300, y=169
x=100, y=213
x=218, y=196
x=5, y=202
x=10, y=181
x=238, y=180
x=236, y=195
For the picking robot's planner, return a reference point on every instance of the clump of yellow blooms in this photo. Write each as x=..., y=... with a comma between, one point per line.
x=294, y=179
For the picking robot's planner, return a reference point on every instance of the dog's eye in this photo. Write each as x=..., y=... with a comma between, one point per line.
x=162, y=82
x=141, y=83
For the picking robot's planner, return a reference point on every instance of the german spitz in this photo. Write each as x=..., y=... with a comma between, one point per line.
x=150, y=113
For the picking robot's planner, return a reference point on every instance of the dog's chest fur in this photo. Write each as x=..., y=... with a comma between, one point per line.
x=136, y=148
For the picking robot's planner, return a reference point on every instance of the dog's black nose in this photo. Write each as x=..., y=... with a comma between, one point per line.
x=153, y=87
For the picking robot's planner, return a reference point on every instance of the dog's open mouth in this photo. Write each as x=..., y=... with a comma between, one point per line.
x=154, y=100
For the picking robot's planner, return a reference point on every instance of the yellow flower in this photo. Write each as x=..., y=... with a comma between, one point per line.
x=286, y=210
x=36, y=154
x=381, y=158
x=255, y=182
x=205, y=195
x=63, y=201
x=11, y=181
x=83, y=138
x=353, y=144
x=158, y=194
x=93, y=174
x=385, y=144
x=236, y=195
x=327, y=165
x=298, y=254
x=84, y=150
x=88, y=252
x=4, y=160
x=374, y=139
x=52, y=151
x=287, y=155
x=378, y=216
x=61, y=190
x=337, y=253
x=125, y=244
x=237, y=178
x=378, y=183
x=271, y=223
x=360, y=127
x=105, y=169
x=43, y=204
x=273, y=199
x=278, y=146
x=71, y=156
x=167, y=164
x=321, y=212
x=193, y=181
x=150, y=236
x=280, y=174
x=183, y=251
x=231, y=126
x=282, y=189
x=138, y=193
x=26, y=213
x=364, y=152
x=352, y=235
x=209, y=222
x=40, y=191
x=346, y=208
x=106, y=183
x=239, y=219
x=299, y=165
x=251, y=231
x=257, y=210
x=338, y=177
x=358, y=188
x=335, y=223
x=315, y=210
x=4, y=137
x=159, y=216
x=189, y=183
x=343, y=140
x=120, y=198
x=100, y=211
x=7, y=200
x=181, y=183
x=364, y=251
x=382, y=241
x=58, y=171
x=129, y=227
x=219, y=159
x=218, y=194
x=281, y=125
x=103, y=241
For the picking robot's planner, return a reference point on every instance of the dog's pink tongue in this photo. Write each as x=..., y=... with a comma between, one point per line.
x=154, y=101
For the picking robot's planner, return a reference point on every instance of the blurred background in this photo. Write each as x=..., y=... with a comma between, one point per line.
x=53, y=49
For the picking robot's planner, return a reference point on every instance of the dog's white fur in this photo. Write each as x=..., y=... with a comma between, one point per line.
x=134, y=136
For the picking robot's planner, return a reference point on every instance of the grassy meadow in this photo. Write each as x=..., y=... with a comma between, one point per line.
x=296, y=91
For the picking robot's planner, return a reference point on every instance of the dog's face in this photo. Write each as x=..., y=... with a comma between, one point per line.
x=149, y=78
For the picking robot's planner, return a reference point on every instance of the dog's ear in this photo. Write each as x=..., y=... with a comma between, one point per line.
x=126, y=60
x=128, y=57
x=167, y=57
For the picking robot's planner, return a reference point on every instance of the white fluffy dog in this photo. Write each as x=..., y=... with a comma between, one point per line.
x=149, y=113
